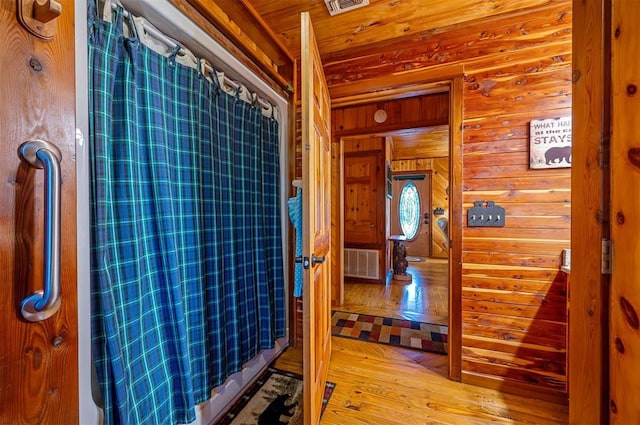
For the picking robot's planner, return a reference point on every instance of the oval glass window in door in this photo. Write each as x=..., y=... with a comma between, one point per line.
x=409, y=210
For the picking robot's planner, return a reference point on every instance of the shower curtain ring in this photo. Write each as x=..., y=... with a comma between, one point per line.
x=172, y=55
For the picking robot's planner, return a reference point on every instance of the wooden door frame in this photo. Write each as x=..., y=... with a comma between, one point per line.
x=440, y=79
x=89, y=412
x=587, y=369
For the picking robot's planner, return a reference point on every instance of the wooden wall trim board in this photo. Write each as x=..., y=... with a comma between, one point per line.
x=337, y=220
x=624, y=304
x=588, y=311
x=394, y=86
x=455, y=226
x=392, y=94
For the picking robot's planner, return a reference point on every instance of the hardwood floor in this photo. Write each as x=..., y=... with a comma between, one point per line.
x=425, y=298
x=381, y=384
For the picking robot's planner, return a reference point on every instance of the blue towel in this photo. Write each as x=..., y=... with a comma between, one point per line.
x=295, y=215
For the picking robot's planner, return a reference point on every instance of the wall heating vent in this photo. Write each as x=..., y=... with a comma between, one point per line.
x=340, y=6
x=363, y=263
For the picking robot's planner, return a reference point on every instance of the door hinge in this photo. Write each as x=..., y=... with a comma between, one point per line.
x=603, y=153
x=606, y=256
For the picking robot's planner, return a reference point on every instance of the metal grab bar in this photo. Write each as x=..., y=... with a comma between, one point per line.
x=43, y=304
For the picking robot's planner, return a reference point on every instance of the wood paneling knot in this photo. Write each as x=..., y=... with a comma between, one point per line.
x=634, y=156
x=576, y=75
x=629, y=313
x=35, y=64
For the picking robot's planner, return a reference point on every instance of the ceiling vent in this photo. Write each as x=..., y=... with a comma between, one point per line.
x=341, y=6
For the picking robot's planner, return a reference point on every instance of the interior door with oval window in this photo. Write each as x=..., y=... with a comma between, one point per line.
x=411, y=212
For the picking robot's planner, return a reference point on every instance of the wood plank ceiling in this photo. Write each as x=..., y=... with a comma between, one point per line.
x=381, y=23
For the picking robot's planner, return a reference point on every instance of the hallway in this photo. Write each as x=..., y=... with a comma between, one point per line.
x=380, y=384
x=424, y=299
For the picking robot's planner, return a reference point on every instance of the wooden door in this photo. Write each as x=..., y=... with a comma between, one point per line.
x=38, y=364
x=363, y=202
x=316, y=181
x=419, y=244
x=624, y=305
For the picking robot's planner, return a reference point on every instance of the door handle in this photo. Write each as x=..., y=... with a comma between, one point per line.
x=316, y=260
x=43, y=304
x=304, y=261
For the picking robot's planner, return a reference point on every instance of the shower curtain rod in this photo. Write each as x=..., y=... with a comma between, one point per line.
x=168, y=41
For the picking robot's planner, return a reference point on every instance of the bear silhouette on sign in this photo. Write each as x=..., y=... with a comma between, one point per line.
x=271, y=415
x=556, y=154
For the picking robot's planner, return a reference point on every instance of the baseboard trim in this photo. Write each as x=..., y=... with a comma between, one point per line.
x=353, y=279
x=518, y=388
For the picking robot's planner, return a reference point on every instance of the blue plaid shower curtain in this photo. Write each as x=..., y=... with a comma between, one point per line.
x=187, y=278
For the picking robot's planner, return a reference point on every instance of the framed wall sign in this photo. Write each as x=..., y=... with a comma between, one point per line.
x=550, y=143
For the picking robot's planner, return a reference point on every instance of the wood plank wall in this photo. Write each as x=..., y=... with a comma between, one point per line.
x=517, y=68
